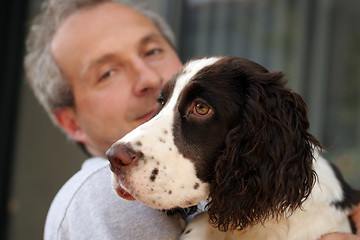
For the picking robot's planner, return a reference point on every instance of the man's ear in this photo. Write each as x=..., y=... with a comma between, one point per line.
x=66, y=118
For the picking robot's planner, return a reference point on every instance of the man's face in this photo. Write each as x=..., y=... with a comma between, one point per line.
x=117, y=62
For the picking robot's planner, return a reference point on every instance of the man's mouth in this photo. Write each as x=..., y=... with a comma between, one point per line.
x=147, y=116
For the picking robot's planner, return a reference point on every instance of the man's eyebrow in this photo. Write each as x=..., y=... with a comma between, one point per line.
x=101, y=60
x=150, y=37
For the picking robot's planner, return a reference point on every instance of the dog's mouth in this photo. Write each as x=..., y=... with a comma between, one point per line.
x=123, y=192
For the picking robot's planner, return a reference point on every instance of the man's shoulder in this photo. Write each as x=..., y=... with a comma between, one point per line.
x=92, y=169
x=66, y=201
x=87, y=200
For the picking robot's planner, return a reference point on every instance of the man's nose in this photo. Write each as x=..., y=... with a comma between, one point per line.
x=120, y=155
x=148, y=79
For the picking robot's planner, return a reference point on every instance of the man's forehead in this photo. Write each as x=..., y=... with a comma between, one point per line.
x=102, y=16
x=92, y=30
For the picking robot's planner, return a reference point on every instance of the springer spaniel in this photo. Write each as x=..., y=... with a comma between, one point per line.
x=231, y=133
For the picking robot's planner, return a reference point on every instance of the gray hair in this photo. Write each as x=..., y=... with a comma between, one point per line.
x=44, y=76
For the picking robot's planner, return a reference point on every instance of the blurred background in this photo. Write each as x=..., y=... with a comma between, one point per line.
x=316, y=43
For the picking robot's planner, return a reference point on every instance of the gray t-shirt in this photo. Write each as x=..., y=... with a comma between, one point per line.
x=87, y=208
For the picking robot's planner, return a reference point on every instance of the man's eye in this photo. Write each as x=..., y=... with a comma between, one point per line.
x=107, y=75
x=154, y=51
x=161, y=99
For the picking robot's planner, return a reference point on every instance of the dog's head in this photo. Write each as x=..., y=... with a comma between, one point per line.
x=229, y=131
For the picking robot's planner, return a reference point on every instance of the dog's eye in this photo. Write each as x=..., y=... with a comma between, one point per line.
x=201, y=108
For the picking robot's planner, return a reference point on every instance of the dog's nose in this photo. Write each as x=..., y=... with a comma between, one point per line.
x=121, y=155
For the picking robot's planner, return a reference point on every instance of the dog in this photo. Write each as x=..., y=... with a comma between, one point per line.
x=231, y=133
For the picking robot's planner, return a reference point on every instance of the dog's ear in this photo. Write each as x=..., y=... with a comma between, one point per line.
x=265, y=169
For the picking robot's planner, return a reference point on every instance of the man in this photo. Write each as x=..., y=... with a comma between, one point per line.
x=116, y=61
x=98, y=67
